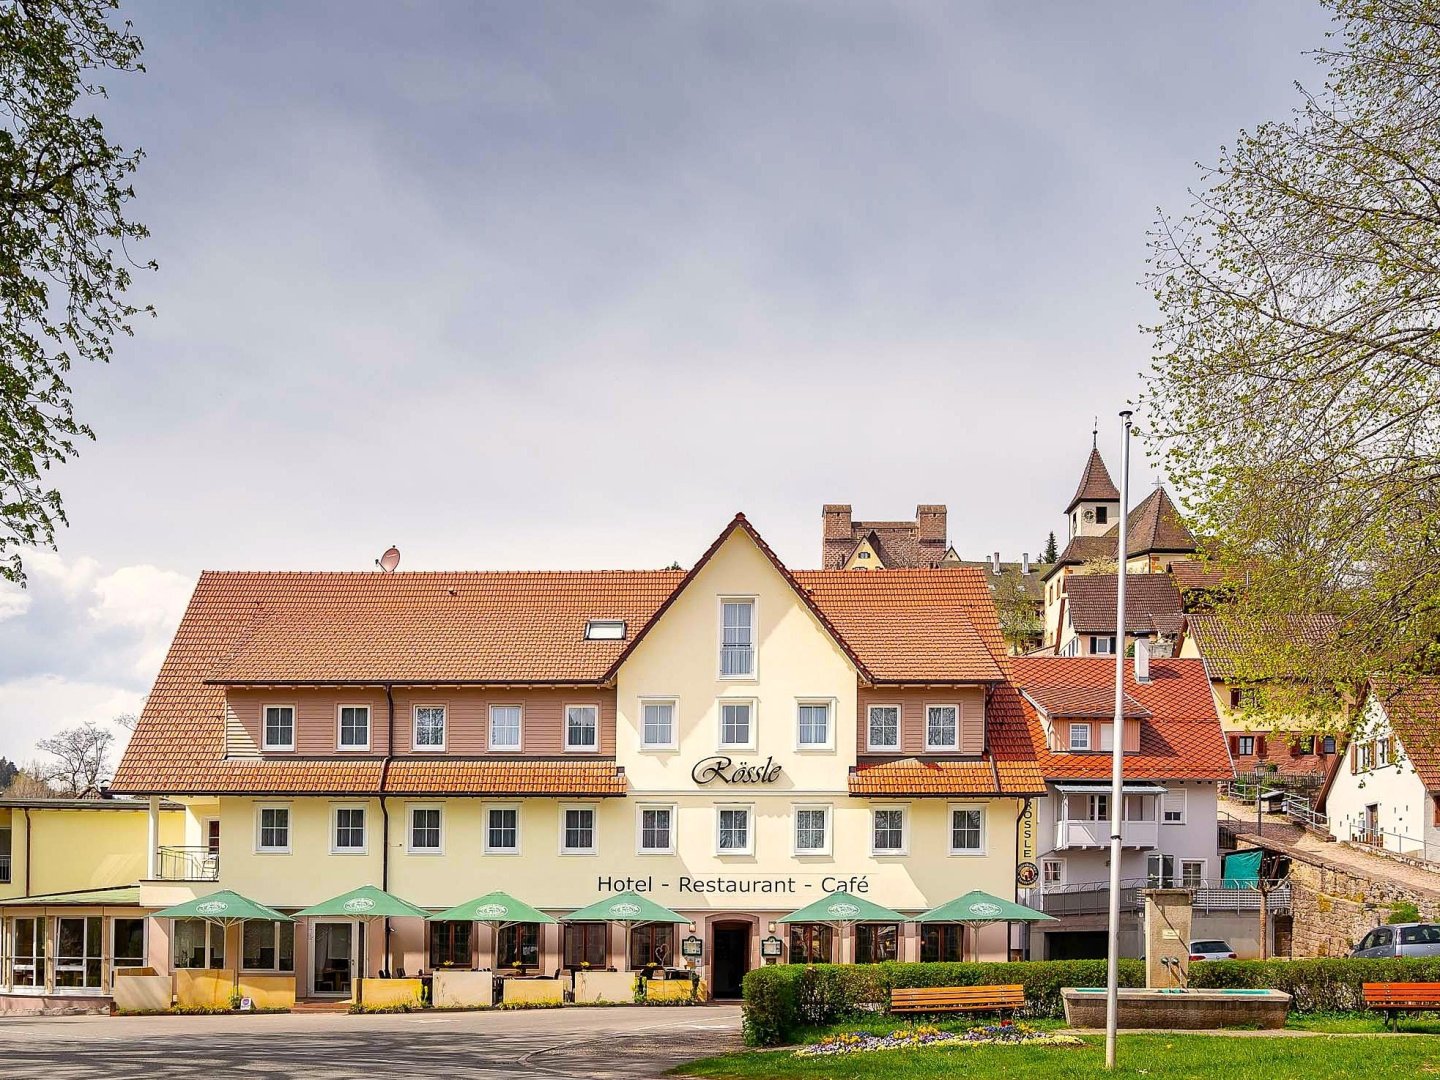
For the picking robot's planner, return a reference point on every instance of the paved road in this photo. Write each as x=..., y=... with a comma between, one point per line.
x=581, y=1044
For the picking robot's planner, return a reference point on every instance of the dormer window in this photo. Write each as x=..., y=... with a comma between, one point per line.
x=605, y=630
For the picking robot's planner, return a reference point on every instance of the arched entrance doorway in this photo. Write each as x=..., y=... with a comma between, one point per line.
x=729, y=957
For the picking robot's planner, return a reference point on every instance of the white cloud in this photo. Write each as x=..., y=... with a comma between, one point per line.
x=41, y=705
x=82, y=642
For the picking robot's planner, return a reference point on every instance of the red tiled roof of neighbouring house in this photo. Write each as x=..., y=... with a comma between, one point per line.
x=1080, y=701
x=1225, y=641
x=1195, y=574
x=1413, y=707
x=1092, y=602
x=1095, y=483
x=1181, y=739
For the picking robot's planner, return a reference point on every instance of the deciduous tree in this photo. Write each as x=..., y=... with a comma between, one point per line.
x=1295, y=394
x=65, y=269
x=81, y=758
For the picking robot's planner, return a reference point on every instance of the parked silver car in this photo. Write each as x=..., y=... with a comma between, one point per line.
x=1403, y=939
x=1211, y=949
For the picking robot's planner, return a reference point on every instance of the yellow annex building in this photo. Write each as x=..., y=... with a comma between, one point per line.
x=733, y=743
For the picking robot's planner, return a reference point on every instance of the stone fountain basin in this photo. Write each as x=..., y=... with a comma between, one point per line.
x=1185, y=1009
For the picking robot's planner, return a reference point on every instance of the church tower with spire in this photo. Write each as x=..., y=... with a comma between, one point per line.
x=1096, y=506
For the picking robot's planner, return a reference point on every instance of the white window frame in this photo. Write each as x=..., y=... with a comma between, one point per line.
x=661, y=699
x=749, y=811
x=828, y=704
x=1051, y=861
x=335, y=848
x=486, y=846
x=341, y=746
x=1180, y=872
x=510, y=748
x=809, y=853
x=950, y=812
x=410, y=848
x=260, y=809
x=600, y=629
x=1108, y=640
x=53, y=928
x=882, y=748
x=265, y=743
x=941, y=747
x=1073, y=747
x=904, y=848
x=415, y=727
x=754, y=602
x=640, y=848
x=571, y=748
x=1240, y=745
x=1183, y=796
x=753, y=706
x=594, y=848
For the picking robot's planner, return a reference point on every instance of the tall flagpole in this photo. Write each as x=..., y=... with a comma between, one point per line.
x=1117, y=755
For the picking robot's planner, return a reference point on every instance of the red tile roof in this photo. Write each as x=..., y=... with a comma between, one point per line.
x=1180, y=740
x=1225, y=641
x=1155, y=525
x=496, y=628
x=1413, y=708
x=1092, y=602
x=1080, y=701
x=1080, y=550
x=1095, y=483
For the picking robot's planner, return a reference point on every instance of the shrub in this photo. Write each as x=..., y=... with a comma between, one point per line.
x=1322, y=984
x=1404, y=911
x=781, y=999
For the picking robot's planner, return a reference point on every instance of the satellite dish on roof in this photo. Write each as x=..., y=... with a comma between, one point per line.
x=390, y=560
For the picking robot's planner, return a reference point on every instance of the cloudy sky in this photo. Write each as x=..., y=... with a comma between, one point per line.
x=538, y=284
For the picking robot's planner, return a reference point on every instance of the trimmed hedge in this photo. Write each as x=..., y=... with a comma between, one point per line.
x=1323, y=984
x=782, y=998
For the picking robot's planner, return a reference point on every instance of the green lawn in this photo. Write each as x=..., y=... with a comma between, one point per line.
x=1156, y=1057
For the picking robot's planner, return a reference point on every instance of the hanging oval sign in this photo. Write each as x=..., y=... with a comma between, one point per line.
x=624, y=911
x=211, y=907
x=843, y=911
x=984, y=911
x=359, y=905
x=491, y=911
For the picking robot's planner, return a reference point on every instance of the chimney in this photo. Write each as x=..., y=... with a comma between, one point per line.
x=1025, y=563
x=837, y=521
x=995, y=562
x=930, y=522
x=1142, y=660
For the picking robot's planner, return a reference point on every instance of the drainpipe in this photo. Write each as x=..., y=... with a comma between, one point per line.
x=385, y=809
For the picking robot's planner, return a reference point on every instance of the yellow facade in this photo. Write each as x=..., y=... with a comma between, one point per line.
x=65, y=849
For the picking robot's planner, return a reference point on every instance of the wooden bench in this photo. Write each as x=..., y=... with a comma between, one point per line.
x=1394, y=998
x=936, y=999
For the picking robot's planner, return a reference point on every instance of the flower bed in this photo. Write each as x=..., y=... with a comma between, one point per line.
x=909, y=1038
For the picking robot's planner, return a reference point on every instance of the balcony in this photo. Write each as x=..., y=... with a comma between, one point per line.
x=1096, y=834
x=1093, y=897
x=187, y=864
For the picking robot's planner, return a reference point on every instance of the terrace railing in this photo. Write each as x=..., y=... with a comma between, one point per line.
x=187, y=864
x=1093, y=897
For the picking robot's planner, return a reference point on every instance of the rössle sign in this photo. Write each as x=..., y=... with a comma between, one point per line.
x=729, y=771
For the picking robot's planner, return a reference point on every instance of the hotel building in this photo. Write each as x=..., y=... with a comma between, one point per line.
x=734, y=742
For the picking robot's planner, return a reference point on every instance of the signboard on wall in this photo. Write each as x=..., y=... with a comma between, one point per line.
x=1027, y=837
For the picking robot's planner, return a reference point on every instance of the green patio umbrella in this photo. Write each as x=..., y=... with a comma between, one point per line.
x=840, y=909
x=365, y=905
x=496, y=910
x=630, y=910
x=976, y=909
x=223, y=909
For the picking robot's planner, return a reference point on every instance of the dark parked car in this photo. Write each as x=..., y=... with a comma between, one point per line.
x=1404, y=939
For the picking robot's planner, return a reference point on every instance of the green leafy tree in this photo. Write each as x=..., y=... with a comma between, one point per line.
x=1295, y=394
x=1051, y=553
x=64, y=267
